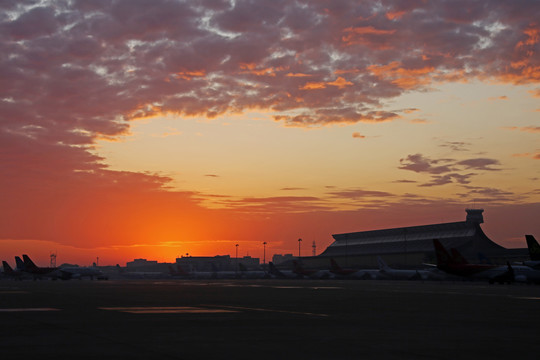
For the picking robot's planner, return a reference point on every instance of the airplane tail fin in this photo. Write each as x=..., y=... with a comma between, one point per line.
x=274, y=270
x=382, y=264
x=297, y=268
x=7, y=269
x=181, y=270
x=28, y=263
x=457, y=257
x=334, y=266
x=534, y=247
x=19, y=264
x=443, y=258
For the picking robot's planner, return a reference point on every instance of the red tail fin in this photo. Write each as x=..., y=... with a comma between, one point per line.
x=443, y=258
x=334, y=265
x=457, y=257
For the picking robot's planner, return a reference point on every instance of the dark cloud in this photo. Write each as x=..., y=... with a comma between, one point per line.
x=480, y=164
x=359, y=193
x=456, y=145
x=437, y=180
x=419, y=163
x=447, y=171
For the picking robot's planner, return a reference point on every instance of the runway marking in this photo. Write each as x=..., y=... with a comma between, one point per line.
x=167, y=310
x=526, y=297
x=28, y=309
x=284, y=286
x=272, y=310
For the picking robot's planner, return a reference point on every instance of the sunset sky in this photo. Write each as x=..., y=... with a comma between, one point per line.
x=151, y=129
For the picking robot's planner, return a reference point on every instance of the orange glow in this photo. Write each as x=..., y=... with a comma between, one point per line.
x=340, y=83
x=313, y=86
x=364, y=35
x=252, y=69
x=392, y=15
x=188, y=75
x=533, y=34
x=404, y=78
x=297, y=75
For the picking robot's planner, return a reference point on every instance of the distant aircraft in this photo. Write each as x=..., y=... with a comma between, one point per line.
x=178, y=272
x=8, y=271
x=534, y=252
x=19, y=264
x=492, y=273
x=141, y=274
x=457, y=265
x=402, y=274
x=339, y=272
x=35, y=270
x=245, y=273
x=76, y=272
x=299, y=270
x=534, y=247
x=280, y=274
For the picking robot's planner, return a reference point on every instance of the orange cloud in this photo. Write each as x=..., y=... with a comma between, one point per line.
x=313, y=86
x=188, y=75
x=357, y=135
x=297, y=75
x=535, y=92
x=251, y=68
x=529, y=129
x=367, y=35
x=403, y=78
x=391, y=15
x=535, y=156
x=339, y=82
x=503, y=97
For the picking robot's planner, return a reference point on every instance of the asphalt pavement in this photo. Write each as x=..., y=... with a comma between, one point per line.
x=268, y=319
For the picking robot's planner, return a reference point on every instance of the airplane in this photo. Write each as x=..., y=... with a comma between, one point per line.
x=402, y=274
x=341, y=273
x=179, y=272
x=8, y=271
x=141, y=274
x=214, y=274
x=534, y=252
x=36, y=271
x=299, y=270
x=492, y=273
x=19, y=264
x=534, y=247
x=76, y=272
x=457, y=265
x=280, y=274
x=251, y=274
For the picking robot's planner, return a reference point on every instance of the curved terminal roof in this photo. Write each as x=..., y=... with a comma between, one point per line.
x=460, y=235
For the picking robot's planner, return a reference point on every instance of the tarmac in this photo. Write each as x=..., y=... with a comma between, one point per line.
x=268, y=319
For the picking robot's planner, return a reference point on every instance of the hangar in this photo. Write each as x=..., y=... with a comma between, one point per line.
x=413, y=246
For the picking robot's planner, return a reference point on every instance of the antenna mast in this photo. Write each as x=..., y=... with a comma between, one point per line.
x=53, y=259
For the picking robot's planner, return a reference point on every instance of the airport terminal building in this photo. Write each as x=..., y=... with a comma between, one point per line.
x=413, y=246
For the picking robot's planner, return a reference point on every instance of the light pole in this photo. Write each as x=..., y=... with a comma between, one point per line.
x=264, y=252
x=299, y=242
x=236, y=267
